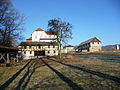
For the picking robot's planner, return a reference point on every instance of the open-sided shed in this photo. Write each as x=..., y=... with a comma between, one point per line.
x=8, y=53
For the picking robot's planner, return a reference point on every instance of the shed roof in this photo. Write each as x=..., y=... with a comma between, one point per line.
x=8, y=49
x=90, y=40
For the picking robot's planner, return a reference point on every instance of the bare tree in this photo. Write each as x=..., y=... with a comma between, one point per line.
x=63, y=31
x=11, y=24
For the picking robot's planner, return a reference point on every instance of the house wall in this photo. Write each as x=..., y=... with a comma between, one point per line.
x=47, y=40
x=95, y=49
x=49, y=51
x=91, y=47
x=36, y=35
x=95, y=46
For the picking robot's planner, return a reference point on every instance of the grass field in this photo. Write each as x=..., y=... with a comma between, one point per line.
x=69, y=73
x=99, y=53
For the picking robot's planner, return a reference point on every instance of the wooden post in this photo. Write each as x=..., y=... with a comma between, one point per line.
x=8, y=61
x=17, y=57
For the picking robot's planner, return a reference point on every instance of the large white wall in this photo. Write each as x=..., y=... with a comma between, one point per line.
x=36, y=35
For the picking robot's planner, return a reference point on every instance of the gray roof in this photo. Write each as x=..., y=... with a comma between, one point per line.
x=90, y=40
x=69, y=46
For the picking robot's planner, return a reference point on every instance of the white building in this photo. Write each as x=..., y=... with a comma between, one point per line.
x=41, y=43
x=91, y=45
x=40, y=35
x=68, y=48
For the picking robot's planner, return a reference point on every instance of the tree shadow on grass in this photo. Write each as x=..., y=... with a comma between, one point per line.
x=7, y=83
x=73, y=85
x=23, y=82
x=29, y=77
x=106, y=76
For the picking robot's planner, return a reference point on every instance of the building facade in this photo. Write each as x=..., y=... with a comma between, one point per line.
x=68, y=48
x=41, y=44
x=91, y=45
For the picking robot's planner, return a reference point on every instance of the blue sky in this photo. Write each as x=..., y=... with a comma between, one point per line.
x=90, y=18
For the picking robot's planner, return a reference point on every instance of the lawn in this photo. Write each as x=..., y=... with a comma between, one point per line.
x=69, y=73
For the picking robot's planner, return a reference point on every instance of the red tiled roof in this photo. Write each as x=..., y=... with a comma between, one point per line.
x=39, y=29
x=29, y=38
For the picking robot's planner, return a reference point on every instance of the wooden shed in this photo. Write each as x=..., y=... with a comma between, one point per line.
x=8, y=54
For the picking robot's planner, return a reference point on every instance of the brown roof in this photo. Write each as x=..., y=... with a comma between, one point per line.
x=29, y=38
x=50, y=33
x=37, y=43
x=91, y=40
x=39, y=29
x=7, y=49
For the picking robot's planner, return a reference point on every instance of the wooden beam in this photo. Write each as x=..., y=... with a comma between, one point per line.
x=2, y=56
x=17, y=57
x=8, y=59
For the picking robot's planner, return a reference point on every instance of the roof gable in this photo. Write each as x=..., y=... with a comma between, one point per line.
x=95, y=40
x=91, y=40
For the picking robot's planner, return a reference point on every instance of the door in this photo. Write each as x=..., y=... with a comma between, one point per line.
x=39, y=53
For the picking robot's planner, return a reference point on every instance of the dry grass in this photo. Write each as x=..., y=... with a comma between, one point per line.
x=62, y=75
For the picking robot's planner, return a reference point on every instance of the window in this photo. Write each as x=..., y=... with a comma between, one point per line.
x=30, y=47
x=39, y=47
x=30, y=52
x=54, y=51
x=98, y=42
x=49, y=46
x=24, y=52
x=53, y=46
x=92, y=42
x=48, y=51
x=24, y=47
